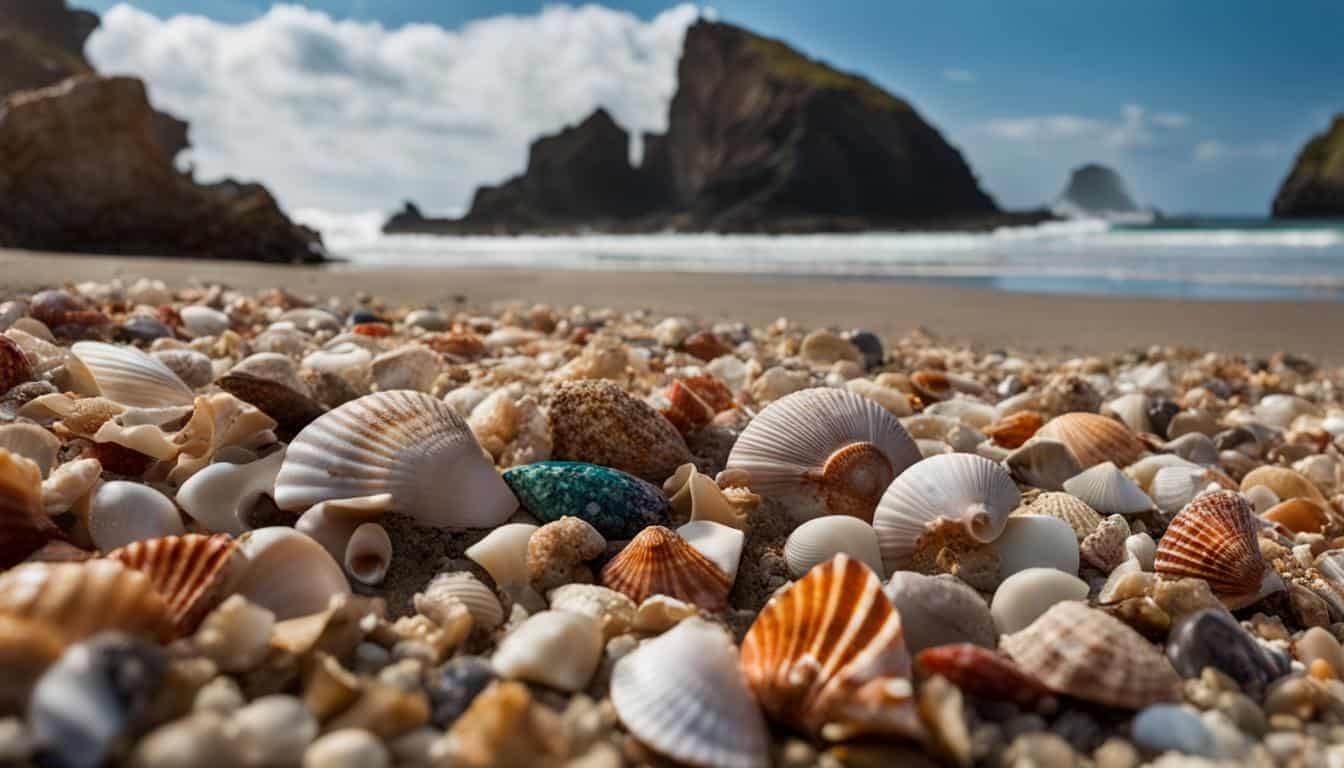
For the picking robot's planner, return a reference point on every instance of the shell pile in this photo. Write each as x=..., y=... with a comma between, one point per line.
x=270, y=530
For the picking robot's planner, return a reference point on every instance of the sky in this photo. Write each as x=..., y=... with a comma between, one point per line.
x=356, y=105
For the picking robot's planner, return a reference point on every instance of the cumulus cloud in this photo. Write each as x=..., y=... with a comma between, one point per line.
x=959, y=75
x=349, y=115
x=1213, y=150
x=1135, y=127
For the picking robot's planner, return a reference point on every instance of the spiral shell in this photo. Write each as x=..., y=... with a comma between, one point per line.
x=24, y=527
x=1109, y=491
x=128, y=376
x=599, y=423
x=1067, y=507
x=818, y=540
x=1215, y=539
x=1093, y=439
x=659, y=562
x=81, y=599
x=193, y=573
x=833, y=449
x=696, y=496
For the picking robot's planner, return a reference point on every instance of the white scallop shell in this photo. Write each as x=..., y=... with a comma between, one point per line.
x=958, y=486
x=123, y=512
x=219, y=496
x=1036, y=541
x=1027, y=594
x=368, y=554
x=503, y=555
x=722, y=544
x=1145, y=469
x=480, y=600
x=408, y=444
x=1174, y=487
x=822, y=538
x=1109, y=491
x=1132, y=409
x=554, y=648
x=33, y=443
x=288, y=573
x=128, y=376
x=703, y=715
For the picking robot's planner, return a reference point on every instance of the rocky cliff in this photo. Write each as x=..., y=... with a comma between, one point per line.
x=1094, y=190
x=1315, y=185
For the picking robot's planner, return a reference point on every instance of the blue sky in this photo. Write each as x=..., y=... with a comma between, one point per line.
x=1201, y=106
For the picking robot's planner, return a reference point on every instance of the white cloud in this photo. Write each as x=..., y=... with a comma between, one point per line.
x=1213, y=150
x=1171, y=119
x=1135, y=127
x=348, y=115
x=959, y=75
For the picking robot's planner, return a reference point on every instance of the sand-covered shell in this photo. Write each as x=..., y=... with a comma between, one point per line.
x=983, y=672
x=1109, y=491
x=1093, y=439
x=1174, y=487
x=288, y=573
x=81, y=599
x=660, y=562
x=702, y=716
x=833, y=449
x=1285, y=483
x=818, y=540
x=128, y=376
x=1067, y=507
x=405, y=443
x=617, y=504
x=696, y=496
x=599, y=423
x=24, y=526
x=826, y=655
x=193, y=573
x=1215, y=539
x=959, y=486
x=1085, y=653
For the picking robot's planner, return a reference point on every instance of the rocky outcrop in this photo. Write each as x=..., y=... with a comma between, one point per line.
x=1094, y=190
x=1315, y=186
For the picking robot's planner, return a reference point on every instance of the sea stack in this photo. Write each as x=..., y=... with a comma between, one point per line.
x=1315, y=185
x=1094, y=190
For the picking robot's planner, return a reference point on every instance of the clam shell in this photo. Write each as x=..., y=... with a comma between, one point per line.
x=192, y=573
x=702, y=716
x=696, y=496
x=503, y=554
x=128, y=376
x=554, y=648
x=982, y=672
x=1042, y=463
x=617, y=504
x=659, y=562
x=368, y=554
x=288, y=573
x=1284, y=482
x=1174, y=487
x=121, y=513
x=1093, y=439
x=1215, y=539
x=1024, y=596
x=826, y=655
x=1067, y=507
x=936, y=610
x=831, y=449
x=822, y=538
x=81, y=599
x=24, y=526
x=408, y=444
x=599, y=423
x=722, y=544
x=220, y=496
x=291, y=407
x=33, y=443
x=1036, y=541
x=959, y=486
x=1109, y=491
x=486, y=610
x=14, y=367
x=1084, y=653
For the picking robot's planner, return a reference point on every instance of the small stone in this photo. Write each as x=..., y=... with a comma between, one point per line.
x=1296, y=696
x=1308, y=608
x=236, y=635
x=892, y=400
x=414, y=367
x=1284, y=723
x=1243, y=713
x=671, y=332
x=274, y=730
x=503, y=726
x=869, y=346
x=1169, y=727
x=1116, y=753
x=1039, y=750
x=428, y=319
x=16, y=743
x=775, y=383
x=614, y=611
x=456, y=685
x=558, y=553
x=411, y=750
x=348, y=748
x=1211, y=638
x=192, y=367
x=197, y=740
x=143, y=329
x=1181, y=597
x=203, y=321
x=222, y=696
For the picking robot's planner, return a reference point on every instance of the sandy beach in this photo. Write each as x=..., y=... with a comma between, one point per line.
x=987, y=318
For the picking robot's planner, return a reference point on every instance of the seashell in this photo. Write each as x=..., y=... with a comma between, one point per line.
x=1024, y=596
x=1107, y=490
x=413, y=368
x=337, y=629
x=614, y=612
x=983, y=672
x=1297, y=515
x=1094, y=439
x=1142, y=548
x=1261, y=498
x=121, y=513
x=1012, y=431
x=959, y=487
x=826, y=655
x=599, y=423
x=1215, y=539
x=892, y=400
x=1174, y=487
x=486, y=610
x=554, y=648
x=693, y=402
x=332, y=523
x=24, y=527
x=820, y=539
x=659, y=613
x=14, y=367
x=659, y=562
x=1195, y=447
x=1279, y=410
x=347, y=748
x=1131, y=410
x=203, y=321
x=33, y=443
x=1087, y=654
x=695, y=495
x=288, y=573
x=81, y=599
x=368, y=554
x=503, y=554
x=1071, y=509
x=27, y=648
x=1036, y=541
x=937, y=610
x=235, y=635
x=408, y=444
x=311, y=319
x=130, y=377
x=1104, y=549
x=220, y=496
x=1285, y=483
x=192, y=573
x=192, y=367
x=270, y=382
x=971, y=413
x=933, y=386
x=1144, y=470
x=1192, y=421
x=512, y=429
x=833, y=450
x=1043, y=464
x=722, y=544
x=617, y=504
x=704, y=716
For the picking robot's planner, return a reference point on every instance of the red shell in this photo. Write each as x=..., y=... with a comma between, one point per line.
x=14, y=368
x=982, y=672
x=695, y=402
x=659, y=562
x=706, y=346
x=372, y=329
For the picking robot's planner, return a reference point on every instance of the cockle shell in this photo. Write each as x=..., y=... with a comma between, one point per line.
x=1109, y=491
x=24, y=526
x=81, y=599
x=1093, y=439
x=820, y=539
x=33, y=443
x=971, y=489
x=599, y=423
x=617, y=504
x=1087, y=654
x=503, y=554
x=1284, y=482
x=1036, y=541
x=1042, y=463
x=554, y=648
x=704, y=715
x=368, y=554
x=192, y=573
x=659, y=562
x=983, y=672
x=288, y=573
x=123, y=512
x=695, y=495
x=408, y=444
x=1215, y=539
x=486, y=610
x=1174, y=487
x=831, y=449
x=1067, y=507
x=128, y=376
x=826, y=655
x=722, y=544
x=219, y=496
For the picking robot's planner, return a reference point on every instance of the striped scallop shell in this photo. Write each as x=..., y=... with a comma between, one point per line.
x=1109, y=491
x=827, y=655
x=1092, y=438
x=128, y=376
x=193, y=573
x=703, y=715
x=831, y=447
x=1067, y=507
x=24, y=526
x=1215, y=539
x=659, y=562
x=956, y=486
x=405, y=443
x=1174, y=487
x=818, y=540
x=81, y=599
x=1087, y=654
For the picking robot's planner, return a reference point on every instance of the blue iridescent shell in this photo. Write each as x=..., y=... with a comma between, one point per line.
x=617, y=504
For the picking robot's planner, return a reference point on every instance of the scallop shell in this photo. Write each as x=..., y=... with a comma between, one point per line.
x=1132, y=409
x=33, y=443
x=128, y=376
x=503, y=554
x=1285, y=483
x=826, y=655
x=1042, y=463
x=1067, y=507
x=722, y=544
x=820, y=539
x=1093, y=439
x=1174, y=487
x=24, y=527
x=599, y=423
x=832, y=448
x=659, y=562
x=81, y=599
x=1109, y=491
x=957, y=486
x=1215, y=539
x=984, y=673
x=288, y=573
x=617, y=504
x=696, y=496
x=121, y=513
x=220, y=496
x=408, y=444
x=702, y=716
x=192, y=573
x=1297, y=515
x=1084, y=653
x=480, y=600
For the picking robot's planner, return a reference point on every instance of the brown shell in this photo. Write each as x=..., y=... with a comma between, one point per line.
x=1084, y=653
x=1298, y=515
x=291, y=410
x=81, y=599
x=659, y=562
x=1094, y=439
x=1284, y=482
x=193, y=573
x=57, y=308
x=1012, y=431
x=24, y=526
x=599, y=423
x=982, y=672
x=705, y=345
x=827, y=655
x=1214, y=538
x=14, y=368
x=27, y=648
x=695, y=401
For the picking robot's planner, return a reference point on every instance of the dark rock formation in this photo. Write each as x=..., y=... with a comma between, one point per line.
x=1315, y=186
x=1095, y=190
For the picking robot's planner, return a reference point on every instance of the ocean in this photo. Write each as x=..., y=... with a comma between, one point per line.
x=1190, y=258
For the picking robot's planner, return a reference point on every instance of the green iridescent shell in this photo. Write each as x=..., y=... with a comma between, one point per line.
x=617, y=504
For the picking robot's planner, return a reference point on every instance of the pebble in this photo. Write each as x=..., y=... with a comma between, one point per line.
x=1318, y=644
x=1164, y=727
x=775, y=383
x=16, y=742
x=221, y=696
x=1212, y=638
x=869, y=346
x=428, y=319
x=274, y=730
x=824, y=347
x=456, y=685
x=143, y=329
x=1116, y=753
x=1039, y=750
x=198, y=740
x=558, y=553
x=1027, y=594
x=200, y=321
x=1243, y=713
x=347, y=748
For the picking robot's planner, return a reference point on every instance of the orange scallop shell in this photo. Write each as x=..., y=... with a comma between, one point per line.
x=827, y=655
x=1094, y=439
x=1012, y=431
x=1214, y=538
x=24, y=526
x=659, y=562
x=192, y=573
x=982, y=672
x=81, y=599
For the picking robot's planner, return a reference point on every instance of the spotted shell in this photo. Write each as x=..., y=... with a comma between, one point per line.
x=24, y=526
x=826, y=655
x=599, y=423
x=1087, y=654
x=408, y=444
x=617, y=504
x=1093, y=439
x=978, y=671
x=128, y=376
x=1215, y=539
x=81, y=599
x=833, y=449
x=1067, y=507
x=659, y=562
x=1285, y=483
x=193, y=573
